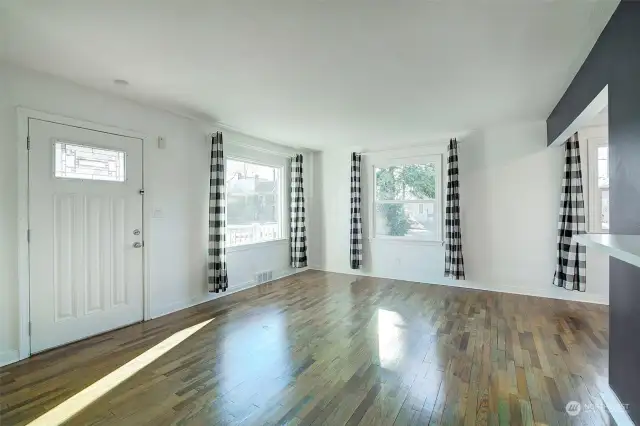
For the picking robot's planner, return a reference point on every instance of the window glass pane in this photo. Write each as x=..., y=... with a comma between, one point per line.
x=603, y=167
x=253, y=202
x=605, y=209
x=408, y=182
x=86, y=162
x=603, y=153
x=407, y=220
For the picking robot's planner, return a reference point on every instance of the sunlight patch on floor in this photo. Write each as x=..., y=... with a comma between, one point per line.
x=82, y=399
x=391, y=339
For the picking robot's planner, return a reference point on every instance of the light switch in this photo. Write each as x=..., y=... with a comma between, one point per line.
x=162, y=142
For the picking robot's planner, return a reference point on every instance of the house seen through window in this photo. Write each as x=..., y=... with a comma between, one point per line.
x=254, y=202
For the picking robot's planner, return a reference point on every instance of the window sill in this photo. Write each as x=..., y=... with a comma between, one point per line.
x=407, y=241
x=261, y=244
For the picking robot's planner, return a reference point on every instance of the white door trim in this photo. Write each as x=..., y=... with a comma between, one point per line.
x=24, y=114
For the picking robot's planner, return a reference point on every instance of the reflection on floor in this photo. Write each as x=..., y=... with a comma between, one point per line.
x=88, y=395
x=330, y=349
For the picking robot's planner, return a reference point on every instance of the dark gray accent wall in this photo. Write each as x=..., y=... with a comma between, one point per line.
x=615, y=60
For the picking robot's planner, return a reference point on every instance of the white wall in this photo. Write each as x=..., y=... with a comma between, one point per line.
x=383, y=258
x=510, y=183
x=176, y=184
x=597, y=262
x=510, y=192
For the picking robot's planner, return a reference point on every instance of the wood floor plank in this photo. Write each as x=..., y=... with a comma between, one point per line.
x=330, y=349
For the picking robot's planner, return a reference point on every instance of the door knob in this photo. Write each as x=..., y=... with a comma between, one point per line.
x=137, y=245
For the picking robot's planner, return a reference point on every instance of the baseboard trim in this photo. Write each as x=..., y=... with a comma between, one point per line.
x=178, y=306
x=9, y=357
x=591, y=298
x=573, y=296
x=616, y=408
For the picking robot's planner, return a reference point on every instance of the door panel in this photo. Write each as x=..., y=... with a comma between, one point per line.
x=86, y=276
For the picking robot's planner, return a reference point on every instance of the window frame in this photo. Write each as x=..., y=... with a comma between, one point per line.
x=437, y=159
x=282, y=205
x=594, y=202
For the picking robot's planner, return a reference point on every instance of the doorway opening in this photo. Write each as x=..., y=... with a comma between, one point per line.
x=82, y=268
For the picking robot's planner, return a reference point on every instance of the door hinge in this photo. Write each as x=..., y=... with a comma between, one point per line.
x=142, y=191
x=28, y=143
x=29, y=328
x=28, y=235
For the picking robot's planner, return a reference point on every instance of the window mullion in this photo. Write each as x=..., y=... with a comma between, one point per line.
x=405, y=201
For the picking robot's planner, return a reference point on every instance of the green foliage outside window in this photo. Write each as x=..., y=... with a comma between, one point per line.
x=409, y=182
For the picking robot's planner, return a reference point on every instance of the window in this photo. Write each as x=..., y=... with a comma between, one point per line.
x=407, y=200
x=598, y=159
x=87, y=162
x=254, y=202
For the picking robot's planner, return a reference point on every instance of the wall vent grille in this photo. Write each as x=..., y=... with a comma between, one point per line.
x=263, y=277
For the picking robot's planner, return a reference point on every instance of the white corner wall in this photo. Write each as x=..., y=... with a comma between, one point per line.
x=176, y=184
x=510, y=194
x=510, y=183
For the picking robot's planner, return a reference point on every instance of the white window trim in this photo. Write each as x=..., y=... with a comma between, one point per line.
x=594, y=198
x=284, y=229
x=404, y=240
x=423, y=159
x=259, y=244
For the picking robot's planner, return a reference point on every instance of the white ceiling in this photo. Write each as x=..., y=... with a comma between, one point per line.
x=318, y=73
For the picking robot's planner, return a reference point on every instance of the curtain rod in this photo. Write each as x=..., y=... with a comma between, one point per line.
x=382, y=151
x=368, y=153
x=221, y=128
x=264, y=150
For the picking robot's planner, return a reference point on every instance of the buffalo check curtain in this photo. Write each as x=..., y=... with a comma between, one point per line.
x=454, y=263
x=356, y=213
x=217, y=265
x=298, y=228
x=571, y=257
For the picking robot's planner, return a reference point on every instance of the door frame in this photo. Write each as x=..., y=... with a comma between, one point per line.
x=24, y=115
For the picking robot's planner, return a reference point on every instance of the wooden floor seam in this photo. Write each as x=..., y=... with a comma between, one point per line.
x=320, y=348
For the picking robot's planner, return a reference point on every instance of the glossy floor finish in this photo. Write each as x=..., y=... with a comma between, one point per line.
x=330, y=349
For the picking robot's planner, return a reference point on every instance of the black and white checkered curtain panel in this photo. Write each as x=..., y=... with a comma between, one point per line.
x=298, y=228
x=571, y=265
x=454, y=263
x=217, y=264
x=356, y=213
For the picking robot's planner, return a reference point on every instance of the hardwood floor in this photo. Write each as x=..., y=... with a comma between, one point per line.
x=330, y=349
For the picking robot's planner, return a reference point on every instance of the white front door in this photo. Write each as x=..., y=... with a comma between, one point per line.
x=85, y=221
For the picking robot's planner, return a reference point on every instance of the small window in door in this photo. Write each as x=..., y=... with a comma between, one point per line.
x=88, y=163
